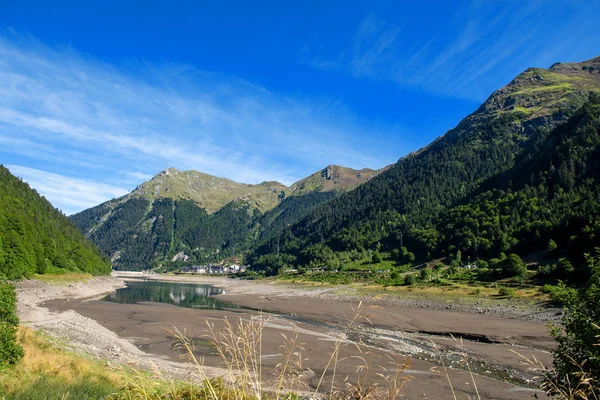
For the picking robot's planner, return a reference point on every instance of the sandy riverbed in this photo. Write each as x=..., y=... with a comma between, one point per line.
x=135, y=333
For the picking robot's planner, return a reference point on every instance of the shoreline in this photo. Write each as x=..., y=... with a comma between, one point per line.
x=534, y=311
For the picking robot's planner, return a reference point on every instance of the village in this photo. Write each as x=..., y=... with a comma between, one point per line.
x=212, y=269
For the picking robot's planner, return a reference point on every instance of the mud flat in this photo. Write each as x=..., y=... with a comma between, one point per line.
x=320, y=318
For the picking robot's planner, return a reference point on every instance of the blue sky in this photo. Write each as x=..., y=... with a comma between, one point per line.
x=97, y=98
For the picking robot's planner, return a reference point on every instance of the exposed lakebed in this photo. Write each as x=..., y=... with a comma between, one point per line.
x=145, y=312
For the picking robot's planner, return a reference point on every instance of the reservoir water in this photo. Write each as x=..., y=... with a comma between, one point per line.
x=180, y=294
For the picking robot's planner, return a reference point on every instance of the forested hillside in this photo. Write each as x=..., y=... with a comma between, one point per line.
x=37, y=238
x=190, y=217
x=520, y=171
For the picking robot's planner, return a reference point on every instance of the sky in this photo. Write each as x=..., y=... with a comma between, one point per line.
x=97, y=97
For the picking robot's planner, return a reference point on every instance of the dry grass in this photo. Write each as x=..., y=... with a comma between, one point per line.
x=584, y=387
x=46, y=366
x=239, y=346
x=464, y=358
x=65, y=278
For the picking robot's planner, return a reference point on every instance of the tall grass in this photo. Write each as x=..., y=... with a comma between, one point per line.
x=47, y=372
x=239, y=346
x=583, y=387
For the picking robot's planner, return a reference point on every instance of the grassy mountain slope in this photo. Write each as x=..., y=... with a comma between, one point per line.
x=37, y=238
x=410, y=201
x=332, y=177
x=209, y=192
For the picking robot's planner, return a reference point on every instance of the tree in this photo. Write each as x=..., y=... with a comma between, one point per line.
x=552, y=247
x=426, y=274
x=577, y=357
x=1, y=255
x=10, y=351
x=514, y=266
x=376, y=257
x=410, y=280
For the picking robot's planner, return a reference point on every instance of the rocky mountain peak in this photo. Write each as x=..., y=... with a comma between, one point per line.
x=333, y=177
x=539, y=92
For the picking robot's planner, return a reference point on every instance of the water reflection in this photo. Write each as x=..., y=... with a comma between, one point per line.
x=180, y=294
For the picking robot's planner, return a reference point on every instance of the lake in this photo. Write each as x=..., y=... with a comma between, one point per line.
x=180, y=294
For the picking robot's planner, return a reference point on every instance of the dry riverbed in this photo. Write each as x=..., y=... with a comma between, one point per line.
x=397, y=328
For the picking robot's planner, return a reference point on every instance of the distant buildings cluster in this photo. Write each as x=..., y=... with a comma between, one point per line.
x=213, y=269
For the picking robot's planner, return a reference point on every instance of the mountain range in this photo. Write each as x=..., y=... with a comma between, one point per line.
x=521, y=170
x=192, y=216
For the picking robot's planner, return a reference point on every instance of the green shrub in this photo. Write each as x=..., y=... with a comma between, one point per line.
x=577, y=356
x=426, y=274
x=565, y=266
x=547, y=270
x=513, y=266
x=552, y=247
x=494, y=263
x=509, y=292
x=10, y=351
x=410, y=280
x=376, y=257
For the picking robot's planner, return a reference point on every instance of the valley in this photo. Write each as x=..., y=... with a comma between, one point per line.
x=445, y=267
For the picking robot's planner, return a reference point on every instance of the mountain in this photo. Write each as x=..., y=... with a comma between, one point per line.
x=37, y=238
x=333, y=177
x=207, y=191
x=195, y=217
x=519, y=171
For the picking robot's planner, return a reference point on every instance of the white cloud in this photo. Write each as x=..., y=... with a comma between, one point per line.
x=125, y=125
x=70, y=193
x=482, y=44
x=138, y=176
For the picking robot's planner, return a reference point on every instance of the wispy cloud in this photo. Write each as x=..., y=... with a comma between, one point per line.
x=482, y=44
x=71, y=193
x=82, y=118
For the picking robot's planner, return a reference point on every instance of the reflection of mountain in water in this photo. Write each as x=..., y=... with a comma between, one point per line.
x=183, y=295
